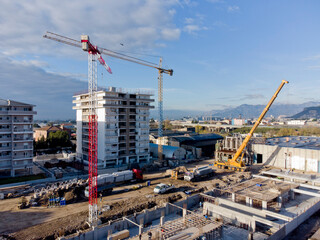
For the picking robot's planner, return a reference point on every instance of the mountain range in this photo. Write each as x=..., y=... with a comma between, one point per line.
x=245, y=110
x=307, y=113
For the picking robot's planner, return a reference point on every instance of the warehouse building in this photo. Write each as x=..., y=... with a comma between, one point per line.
x=293, y=152
x=169, y=152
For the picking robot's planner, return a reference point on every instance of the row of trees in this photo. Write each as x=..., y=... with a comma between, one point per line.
x=55, y=140
x=284, y=131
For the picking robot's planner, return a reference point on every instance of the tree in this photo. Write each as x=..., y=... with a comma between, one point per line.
x=58, y=139
x=40, y=144
x=167, y=125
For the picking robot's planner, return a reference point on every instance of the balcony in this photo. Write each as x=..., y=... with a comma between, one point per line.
x=17, y=112
x=17, y=131
x=22, y=157
x=22, y=139
x=6, y=157
x=5, y=130
x=2, y=167
x=22, y=121
x=22, y=148
x=4, y=140
x=5, y=149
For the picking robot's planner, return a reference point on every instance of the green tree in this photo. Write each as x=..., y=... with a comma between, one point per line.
x=40, y=144
x=58, y=139
x=167, y=125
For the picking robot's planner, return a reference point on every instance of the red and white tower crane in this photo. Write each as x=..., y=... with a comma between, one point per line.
x=94, y=54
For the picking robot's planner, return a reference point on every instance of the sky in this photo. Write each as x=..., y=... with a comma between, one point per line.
x=223, y=53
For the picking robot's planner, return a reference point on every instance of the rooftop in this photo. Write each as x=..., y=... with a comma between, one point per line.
x=295, y=142
x=9, y=102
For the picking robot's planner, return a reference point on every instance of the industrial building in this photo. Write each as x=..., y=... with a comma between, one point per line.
x=226, y=148
x=294, y=152
x=16, y=141
x=200, y=145
x=169, y=152
x=123, y=126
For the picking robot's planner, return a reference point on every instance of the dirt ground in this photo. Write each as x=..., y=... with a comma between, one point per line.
x=49, y=223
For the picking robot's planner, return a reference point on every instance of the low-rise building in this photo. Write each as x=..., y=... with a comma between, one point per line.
x=298, y=152
x=44, y=132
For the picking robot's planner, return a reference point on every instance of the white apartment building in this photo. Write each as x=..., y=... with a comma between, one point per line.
x=16, y=138
x=123, y=126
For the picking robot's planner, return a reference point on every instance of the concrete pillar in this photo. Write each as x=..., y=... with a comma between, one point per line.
x=292, y=195
x=280, y=201
x=264, y=205
x=167, y=208
x=253, y=226
x=146, y=215
x=140, y=229
x=161, y=221
x=184, y=212
x=247, y=201
x=127, y=159
x=117, y=161
x=138, y=159
x=95, y=233
x=233, y=197
x=109, y=234
x=12, y=173
x=250, y=236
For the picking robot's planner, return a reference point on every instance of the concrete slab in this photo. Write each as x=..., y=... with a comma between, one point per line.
x=293, y=175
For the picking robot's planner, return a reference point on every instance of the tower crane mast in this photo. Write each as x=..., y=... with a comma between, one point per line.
x=94, y=54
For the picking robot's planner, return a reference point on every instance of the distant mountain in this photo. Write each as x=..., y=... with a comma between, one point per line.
x=253, y=111
x=307, y=113
x=246, y=111
x=175, y=114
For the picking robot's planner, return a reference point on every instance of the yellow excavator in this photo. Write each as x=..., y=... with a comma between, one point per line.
x=238, y=164
x=178, y=172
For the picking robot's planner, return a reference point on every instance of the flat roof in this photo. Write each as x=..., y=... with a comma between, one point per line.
x=295, y=142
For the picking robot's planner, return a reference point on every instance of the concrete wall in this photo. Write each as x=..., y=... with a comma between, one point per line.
x=147, y=215
x=290, y=226
x=286, y=157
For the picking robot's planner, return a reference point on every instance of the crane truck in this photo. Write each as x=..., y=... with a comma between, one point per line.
x=106, y=182
x=238, y=164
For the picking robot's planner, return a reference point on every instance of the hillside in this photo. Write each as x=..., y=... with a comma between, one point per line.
x=307, y=113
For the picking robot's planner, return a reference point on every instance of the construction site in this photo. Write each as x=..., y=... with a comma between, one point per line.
x=227, y=197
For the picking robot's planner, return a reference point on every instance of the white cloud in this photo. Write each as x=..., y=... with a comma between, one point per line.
x=35, y=63
x=233, y=8
x=138, y=23
x=189, y=20
x=170, y=33
x=315, y=57
x=193, y=28
x=51, y=93
x=314, y=67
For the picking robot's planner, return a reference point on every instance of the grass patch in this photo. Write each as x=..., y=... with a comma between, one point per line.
x=21, y=179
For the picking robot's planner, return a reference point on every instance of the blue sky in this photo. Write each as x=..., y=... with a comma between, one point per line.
x=223, y=53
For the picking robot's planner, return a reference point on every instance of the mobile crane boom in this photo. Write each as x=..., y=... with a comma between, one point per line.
x=234, y=162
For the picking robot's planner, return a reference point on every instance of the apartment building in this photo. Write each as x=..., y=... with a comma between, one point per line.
x=16, y=138
x=123, y=126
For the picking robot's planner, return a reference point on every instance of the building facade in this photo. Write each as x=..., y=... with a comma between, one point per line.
x=123, y=126
x=292, y=152
x=16, y=138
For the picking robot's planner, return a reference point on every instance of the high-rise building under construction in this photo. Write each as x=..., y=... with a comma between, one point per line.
x=123, y=126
